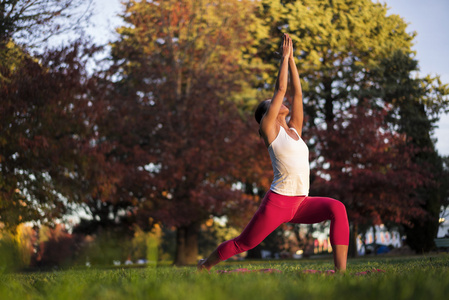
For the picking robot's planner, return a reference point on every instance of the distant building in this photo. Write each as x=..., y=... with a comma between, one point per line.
x=383, y=237
x=443, y=230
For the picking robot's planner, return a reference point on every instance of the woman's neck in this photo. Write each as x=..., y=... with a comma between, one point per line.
x=282, y=121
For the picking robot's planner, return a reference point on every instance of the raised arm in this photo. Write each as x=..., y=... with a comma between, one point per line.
x=268, y=124
x=297, y=114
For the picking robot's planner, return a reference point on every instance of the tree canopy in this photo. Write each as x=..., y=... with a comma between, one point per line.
x=45, y=133
x=180, y=67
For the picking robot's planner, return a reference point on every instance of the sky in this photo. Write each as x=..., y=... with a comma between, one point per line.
x=429, y=19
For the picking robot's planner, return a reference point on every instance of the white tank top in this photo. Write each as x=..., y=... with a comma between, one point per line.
x=290, y=161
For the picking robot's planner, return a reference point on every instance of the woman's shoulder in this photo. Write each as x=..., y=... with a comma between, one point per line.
x=295, y=131
x=270, y=134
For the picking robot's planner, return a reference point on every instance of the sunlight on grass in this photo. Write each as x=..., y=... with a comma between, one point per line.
x=405, y=278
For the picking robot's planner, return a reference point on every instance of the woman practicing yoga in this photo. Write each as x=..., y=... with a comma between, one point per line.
x=287, y=200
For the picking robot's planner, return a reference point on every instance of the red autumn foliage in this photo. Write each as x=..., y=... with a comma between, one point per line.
x=369, y=167
x=171, y=122
x=46, y=126
x=179, y=165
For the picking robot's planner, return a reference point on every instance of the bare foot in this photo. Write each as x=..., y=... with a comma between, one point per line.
x=208, y=263
x=200, y=266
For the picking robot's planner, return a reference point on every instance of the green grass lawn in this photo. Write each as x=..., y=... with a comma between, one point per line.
x=423, y=277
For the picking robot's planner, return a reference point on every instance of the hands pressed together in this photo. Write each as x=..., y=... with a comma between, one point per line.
x=287, y=46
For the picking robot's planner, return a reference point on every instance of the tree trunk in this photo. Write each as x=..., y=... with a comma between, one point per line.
x=420, y=237
x=187, y=245
x=329, y=102
x=352, y=251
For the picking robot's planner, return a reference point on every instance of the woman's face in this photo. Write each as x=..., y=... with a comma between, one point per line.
x=284, y=109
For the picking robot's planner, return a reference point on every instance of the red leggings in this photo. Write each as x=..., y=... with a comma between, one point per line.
x=276, y=209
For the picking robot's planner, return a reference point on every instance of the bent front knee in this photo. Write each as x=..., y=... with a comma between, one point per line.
x=341, y=208
x=338, y=209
